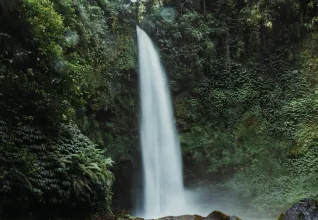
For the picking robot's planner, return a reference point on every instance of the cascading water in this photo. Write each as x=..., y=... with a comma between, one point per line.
x=162, y=165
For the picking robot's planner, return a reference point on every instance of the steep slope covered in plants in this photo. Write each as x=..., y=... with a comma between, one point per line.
x=60, y=62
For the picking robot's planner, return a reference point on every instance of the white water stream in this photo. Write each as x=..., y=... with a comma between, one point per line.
x=162, y=164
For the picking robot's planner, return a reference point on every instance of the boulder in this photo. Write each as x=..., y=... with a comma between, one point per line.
x=183, y=217
x=305, y=209
x=217, y=215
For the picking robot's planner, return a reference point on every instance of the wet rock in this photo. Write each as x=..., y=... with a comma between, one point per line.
x=183, y=217
x=305, y=209
x=217, y=215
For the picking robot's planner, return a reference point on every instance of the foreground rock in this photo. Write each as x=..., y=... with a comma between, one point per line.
x=305, y=209
x=183, y=217
x=216, y=215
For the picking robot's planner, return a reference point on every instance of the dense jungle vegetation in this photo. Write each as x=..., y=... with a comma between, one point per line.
x=243, y=76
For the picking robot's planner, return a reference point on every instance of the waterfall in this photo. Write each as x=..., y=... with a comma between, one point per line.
x=161, y=154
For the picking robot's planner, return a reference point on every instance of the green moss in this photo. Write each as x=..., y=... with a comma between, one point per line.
x=281, y=217
x=198, y=217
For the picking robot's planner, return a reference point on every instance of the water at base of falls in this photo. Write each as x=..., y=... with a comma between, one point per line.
x=161, y=155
